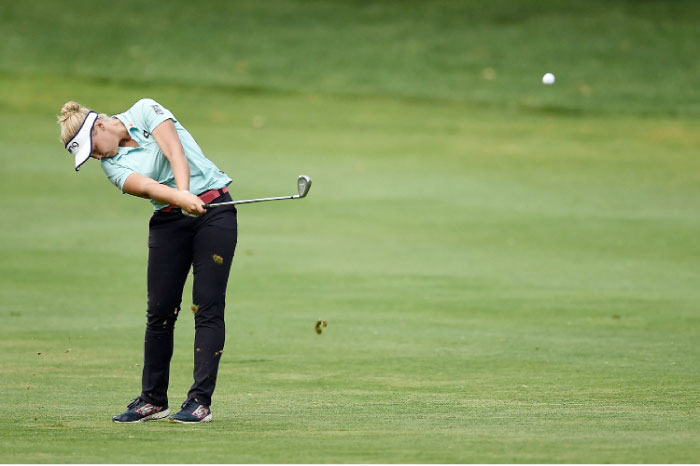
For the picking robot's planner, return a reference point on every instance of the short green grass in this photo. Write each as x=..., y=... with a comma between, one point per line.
x=609, y=55
x=503, y=282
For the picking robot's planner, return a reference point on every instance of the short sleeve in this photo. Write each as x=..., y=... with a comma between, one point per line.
x=153, y=114
x=116, y=173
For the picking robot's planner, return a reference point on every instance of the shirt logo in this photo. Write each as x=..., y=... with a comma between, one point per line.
x=157, y=109
x=146, y=134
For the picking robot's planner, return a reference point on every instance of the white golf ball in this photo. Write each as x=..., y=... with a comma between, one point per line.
x=548, y=79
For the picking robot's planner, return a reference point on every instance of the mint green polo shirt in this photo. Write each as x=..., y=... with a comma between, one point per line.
x=148, y=160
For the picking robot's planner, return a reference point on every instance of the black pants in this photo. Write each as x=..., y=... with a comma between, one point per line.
x=175, y=243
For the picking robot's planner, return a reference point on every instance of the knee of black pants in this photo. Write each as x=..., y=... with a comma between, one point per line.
x=161, y=319
x=210, y=315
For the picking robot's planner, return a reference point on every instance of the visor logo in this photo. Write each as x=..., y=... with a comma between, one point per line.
x=73, y=146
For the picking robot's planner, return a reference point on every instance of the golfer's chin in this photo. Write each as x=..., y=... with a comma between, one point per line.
x=103, y=156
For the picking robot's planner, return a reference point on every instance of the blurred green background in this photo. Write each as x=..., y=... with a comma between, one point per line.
x=509, y=270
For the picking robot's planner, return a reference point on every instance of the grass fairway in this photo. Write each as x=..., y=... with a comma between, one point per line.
x=503, y=280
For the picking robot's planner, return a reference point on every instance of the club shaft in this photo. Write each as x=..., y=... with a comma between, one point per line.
x=250, y=201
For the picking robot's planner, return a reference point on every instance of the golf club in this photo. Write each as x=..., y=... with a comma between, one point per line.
x=303, y=183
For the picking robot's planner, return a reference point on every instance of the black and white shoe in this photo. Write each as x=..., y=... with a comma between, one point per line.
x=192, y=411
x=141, y=411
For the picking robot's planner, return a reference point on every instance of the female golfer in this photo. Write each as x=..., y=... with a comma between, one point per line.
x=146, y=152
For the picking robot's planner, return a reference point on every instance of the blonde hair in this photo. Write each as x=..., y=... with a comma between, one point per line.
x=71, y=119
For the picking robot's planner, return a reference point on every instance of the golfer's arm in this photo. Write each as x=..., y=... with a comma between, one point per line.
x=166, y=136
x=143, y=186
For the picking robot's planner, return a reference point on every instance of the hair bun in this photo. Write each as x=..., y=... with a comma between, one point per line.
x=69, y=108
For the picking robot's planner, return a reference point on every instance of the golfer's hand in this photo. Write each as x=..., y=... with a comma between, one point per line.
x=191, y=205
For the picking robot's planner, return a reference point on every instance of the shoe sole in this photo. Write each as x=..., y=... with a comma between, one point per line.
x=206, y=418
x=153, y=417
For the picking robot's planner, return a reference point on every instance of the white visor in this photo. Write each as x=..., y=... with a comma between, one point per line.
x=81, y=144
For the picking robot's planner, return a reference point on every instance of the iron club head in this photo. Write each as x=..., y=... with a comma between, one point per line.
x=304, y=184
